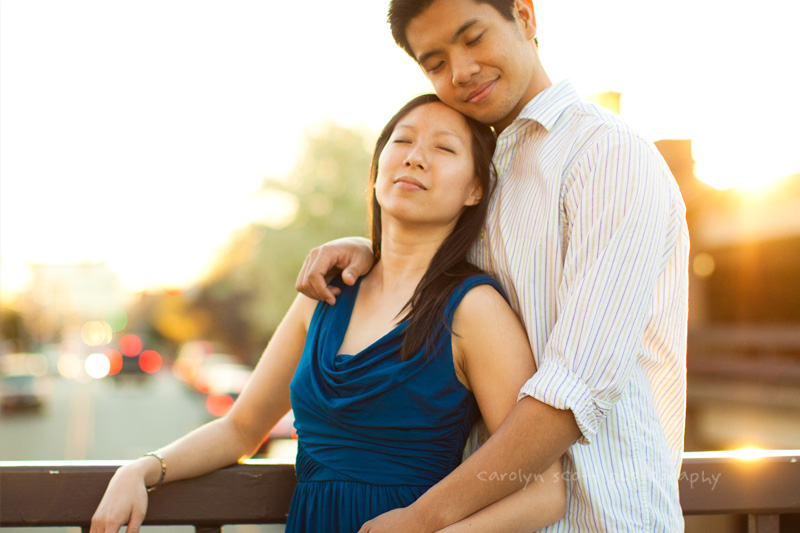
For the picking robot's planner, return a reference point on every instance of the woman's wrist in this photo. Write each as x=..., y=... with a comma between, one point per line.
x=147, y=468
x=162, y=470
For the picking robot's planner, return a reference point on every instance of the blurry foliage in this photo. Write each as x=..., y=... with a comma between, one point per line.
x=174, y=320
x=252, y=285
x=14, y=332
x=145, y=321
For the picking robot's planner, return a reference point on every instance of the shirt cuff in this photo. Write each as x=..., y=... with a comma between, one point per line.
x=560, y=388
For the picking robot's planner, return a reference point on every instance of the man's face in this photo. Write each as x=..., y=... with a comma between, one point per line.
x=479, y=62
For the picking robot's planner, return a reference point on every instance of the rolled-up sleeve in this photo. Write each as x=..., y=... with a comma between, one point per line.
x=615, y=216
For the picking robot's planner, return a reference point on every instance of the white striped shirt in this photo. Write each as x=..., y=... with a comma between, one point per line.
x=587, y=233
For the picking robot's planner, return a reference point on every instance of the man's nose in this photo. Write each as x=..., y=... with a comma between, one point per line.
x=463, y=68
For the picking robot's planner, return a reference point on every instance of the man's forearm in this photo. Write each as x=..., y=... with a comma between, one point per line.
x=532, y=437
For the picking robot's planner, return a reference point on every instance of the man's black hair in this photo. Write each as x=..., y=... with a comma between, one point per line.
x=402, y=12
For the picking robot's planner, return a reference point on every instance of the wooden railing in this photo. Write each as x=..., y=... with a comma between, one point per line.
x=762, y=485
x=67, y=493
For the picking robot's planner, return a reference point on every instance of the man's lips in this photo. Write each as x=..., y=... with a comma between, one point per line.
x=407, y=182
x=480, y=92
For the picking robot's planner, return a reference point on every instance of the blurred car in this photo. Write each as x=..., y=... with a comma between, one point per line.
x=130, y=370
x=217, y=372
x=222, y=378
x=191, y=356
x=281, y=443
x=24, y=384
x=223, y=383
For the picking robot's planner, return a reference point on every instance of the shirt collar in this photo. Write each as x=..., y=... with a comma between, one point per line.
x=546, y=107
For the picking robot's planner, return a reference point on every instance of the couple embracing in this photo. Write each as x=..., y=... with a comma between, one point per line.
x=527, y=267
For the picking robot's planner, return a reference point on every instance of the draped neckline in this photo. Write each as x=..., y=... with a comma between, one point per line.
x=349, y=298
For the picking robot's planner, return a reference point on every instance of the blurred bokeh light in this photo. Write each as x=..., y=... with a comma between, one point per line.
x=150, y=361
x=96, y=333
x=130, y=345
x=114, y=361
x=97, y=365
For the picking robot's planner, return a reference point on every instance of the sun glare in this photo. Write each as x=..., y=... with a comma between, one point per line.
x=726, y=163
x=749, y=453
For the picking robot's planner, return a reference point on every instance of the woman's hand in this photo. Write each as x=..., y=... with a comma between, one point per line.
x=351, y=255
x=124, y=502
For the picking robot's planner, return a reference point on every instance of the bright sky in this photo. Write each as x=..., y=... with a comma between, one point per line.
x=137, y=133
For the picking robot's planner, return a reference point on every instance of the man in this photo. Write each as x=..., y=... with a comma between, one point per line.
x=587, y=234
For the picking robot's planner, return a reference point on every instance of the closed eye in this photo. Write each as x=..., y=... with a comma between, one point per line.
x=476, y=40
x=436, y=67
x=446, y=149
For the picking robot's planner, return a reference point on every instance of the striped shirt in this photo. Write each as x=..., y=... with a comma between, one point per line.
x=587, y=233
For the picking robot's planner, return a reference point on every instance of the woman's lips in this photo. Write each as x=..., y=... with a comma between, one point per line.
x=409, y=183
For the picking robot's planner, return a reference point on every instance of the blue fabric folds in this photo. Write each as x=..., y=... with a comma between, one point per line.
x=375, y=432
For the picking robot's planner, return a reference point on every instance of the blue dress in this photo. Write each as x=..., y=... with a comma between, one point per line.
x=374, y=432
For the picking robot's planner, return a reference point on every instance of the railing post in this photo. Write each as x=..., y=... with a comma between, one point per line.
x=207, y=529
x=763, y=523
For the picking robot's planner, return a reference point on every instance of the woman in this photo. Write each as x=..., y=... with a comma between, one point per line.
x=386, y=383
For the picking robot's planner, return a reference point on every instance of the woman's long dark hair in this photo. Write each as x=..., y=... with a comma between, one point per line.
x=449, y=266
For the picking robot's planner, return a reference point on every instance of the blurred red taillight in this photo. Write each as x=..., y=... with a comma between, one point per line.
x=219, y=404
x=150, y=361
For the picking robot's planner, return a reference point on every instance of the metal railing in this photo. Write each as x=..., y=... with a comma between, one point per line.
x=762, y=485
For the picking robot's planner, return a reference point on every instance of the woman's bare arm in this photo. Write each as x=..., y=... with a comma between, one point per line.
x=492, y=350
x=221, y=442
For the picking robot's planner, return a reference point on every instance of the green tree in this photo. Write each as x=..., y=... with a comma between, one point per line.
x=15, y=335
x=252, y=285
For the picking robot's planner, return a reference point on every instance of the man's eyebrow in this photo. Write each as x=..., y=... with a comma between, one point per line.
x=464, y=27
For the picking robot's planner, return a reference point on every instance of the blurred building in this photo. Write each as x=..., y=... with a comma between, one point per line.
x=65, y=296
x=744, y=325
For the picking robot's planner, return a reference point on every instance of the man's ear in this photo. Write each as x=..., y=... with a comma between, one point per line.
x=527, y=17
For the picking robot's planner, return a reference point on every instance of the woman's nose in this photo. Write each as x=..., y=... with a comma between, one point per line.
x=415, y=159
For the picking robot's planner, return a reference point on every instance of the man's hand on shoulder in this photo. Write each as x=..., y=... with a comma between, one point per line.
x=351, y=255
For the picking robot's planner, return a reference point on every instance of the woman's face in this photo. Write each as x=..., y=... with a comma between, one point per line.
x=426, y=173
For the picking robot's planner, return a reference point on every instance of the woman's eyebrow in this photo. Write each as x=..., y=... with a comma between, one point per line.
x=449, y=133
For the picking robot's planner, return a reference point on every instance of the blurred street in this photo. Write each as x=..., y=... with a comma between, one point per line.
x=106, y=420
x=102, y=419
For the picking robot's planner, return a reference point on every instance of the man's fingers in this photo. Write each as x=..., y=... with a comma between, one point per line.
x=311, y=279
x=318, y=288
x=351, y=256
x=302, y=277
x=357, y=267
x=318, y=266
